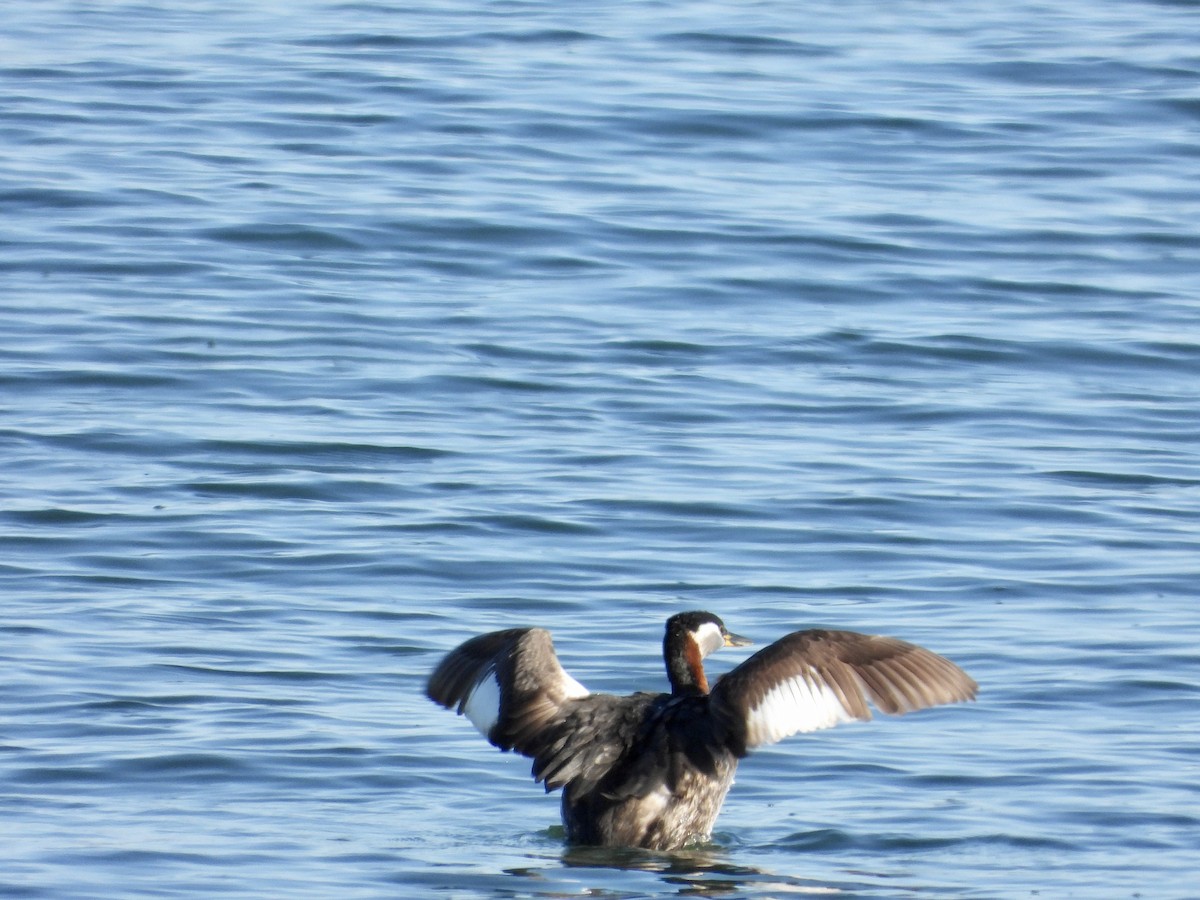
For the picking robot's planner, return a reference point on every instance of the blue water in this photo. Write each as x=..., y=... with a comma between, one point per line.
x=336, y=333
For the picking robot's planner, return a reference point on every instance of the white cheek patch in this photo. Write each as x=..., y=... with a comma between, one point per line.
x=482, y=705
x=800, y=703
x=709, y=638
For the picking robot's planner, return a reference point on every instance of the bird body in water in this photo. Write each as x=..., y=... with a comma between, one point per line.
x=652, y=770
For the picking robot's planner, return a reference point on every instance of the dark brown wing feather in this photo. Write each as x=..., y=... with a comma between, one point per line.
x=590, y=743
x=817, y=679
x=463, y=668
x=509, y=683
x=512, y=687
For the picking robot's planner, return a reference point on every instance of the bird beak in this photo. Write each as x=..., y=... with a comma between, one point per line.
x=735, y=640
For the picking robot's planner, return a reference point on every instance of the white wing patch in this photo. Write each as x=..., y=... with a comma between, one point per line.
x=482, y=705
x=803, y=702
x=572, y=689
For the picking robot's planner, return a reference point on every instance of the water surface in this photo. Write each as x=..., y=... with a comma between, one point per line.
x=337, y=333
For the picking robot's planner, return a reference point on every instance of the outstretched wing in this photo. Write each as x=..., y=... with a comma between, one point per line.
x=509, y=684
x=816, y=679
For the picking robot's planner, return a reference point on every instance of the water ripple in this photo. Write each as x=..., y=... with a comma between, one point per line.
x=337, y=337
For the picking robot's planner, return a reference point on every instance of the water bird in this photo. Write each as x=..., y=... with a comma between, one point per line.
x=651, y=770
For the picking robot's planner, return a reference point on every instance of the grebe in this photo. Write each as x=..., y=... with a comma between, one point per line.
x=652, y=770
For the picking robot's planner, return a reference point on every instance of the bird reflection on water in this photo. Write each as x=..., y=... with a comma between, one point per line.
x=699, y=871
